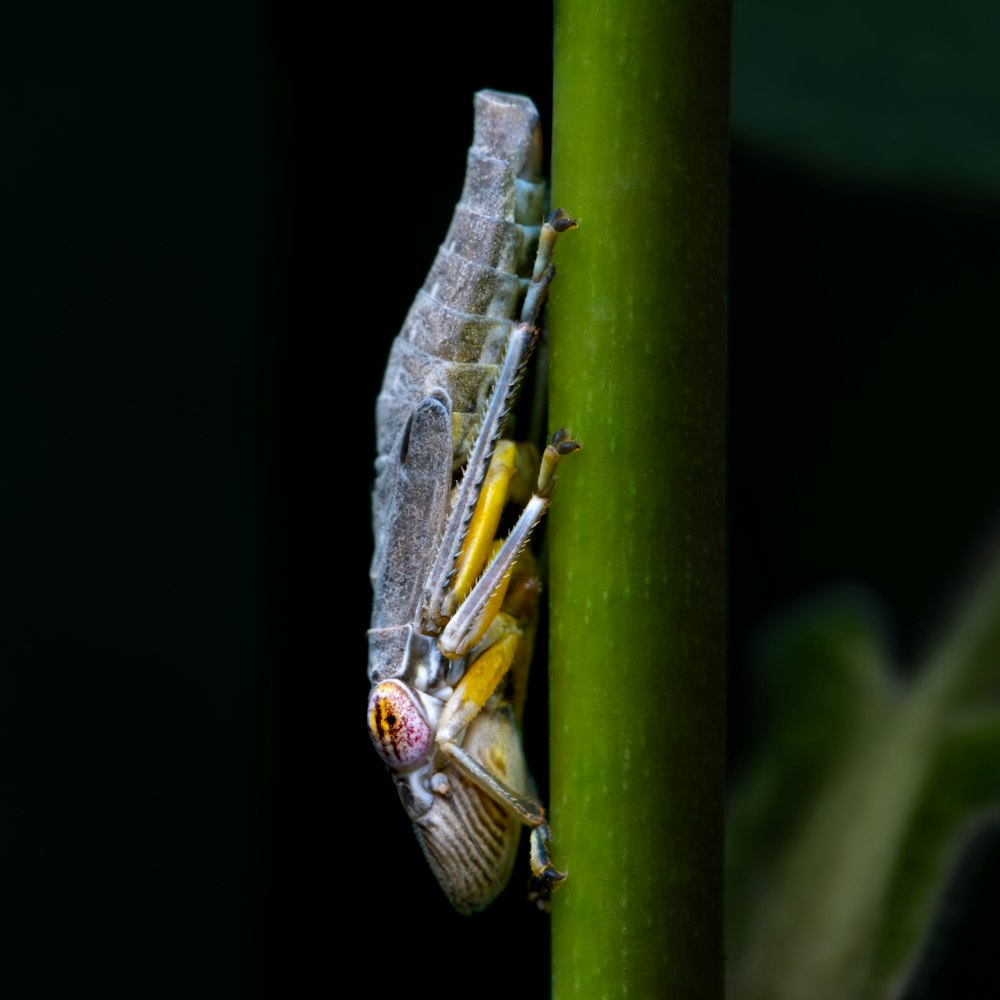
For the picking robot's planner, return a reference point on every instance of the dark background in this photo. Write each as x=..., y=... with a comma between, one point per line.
x=190, y=805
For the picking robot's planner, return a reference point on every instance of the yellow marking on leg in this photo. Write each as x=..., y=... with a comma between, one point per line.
x=489, y=611
x=479, y=683
x=483, y=526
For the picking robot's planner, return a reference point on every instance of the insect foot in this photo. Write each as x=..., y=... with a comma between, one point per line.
x=544, y=878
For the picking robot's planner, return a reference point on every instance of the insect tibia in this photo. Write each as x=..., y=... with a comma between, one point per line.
x=543, y=273
x=463, y=630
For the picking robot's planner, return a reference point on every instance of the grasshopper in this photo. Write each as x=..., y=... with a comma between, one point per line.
x=454, y=602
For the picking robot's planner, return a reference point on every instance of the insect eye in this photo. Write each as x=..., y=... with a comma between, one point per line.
x=398, y=726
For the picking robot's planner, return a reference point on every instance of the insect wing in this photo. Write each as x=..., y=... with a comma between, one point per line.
x=415, y=515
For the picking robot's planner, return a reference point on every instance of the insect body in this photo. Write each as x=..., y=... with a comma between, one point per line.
x=454, y=603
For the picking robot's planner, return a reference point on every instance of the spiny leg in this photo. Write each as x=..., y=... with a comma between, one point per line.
x=466, y=624
x=506, y=482
x=519, y=347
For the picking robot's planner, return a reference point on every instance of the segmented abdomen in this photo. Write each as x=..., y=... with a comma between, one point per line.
x=455, y=332
x=454, y=335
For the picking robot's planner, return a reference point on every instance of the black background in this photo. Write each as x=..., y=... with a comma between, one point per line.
x=216, y=221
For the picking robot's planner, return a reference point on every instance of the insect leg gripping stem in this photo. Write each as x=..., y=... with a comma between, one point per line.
x=470, y=696
x=462, y=629
x=519, y=348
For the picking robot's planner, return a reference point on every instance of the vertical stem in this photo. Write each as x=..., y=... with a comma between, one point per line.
x=637, y=327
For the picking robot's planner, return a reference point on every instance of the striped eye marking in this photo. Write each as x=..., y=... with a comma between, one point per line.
x=398, y=726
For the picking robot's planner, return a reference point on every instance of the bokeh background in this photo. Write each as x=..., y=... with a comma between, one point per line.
x=215, y=219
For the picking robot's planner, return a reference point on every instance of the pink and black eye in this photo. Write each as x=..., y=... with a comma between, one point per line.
x=398, y=726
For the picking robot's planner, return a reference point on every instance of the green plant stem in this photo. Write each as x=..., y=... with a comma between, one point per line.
x=637, y=328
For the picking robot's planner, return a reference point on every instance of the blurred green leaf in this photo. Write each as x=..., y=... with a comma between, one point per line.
x=962, y=785
x=825, y=685
x=859, y=799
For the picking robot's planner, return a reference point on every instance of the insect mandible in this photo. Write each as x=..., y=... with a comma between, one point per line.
x=455, y=598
